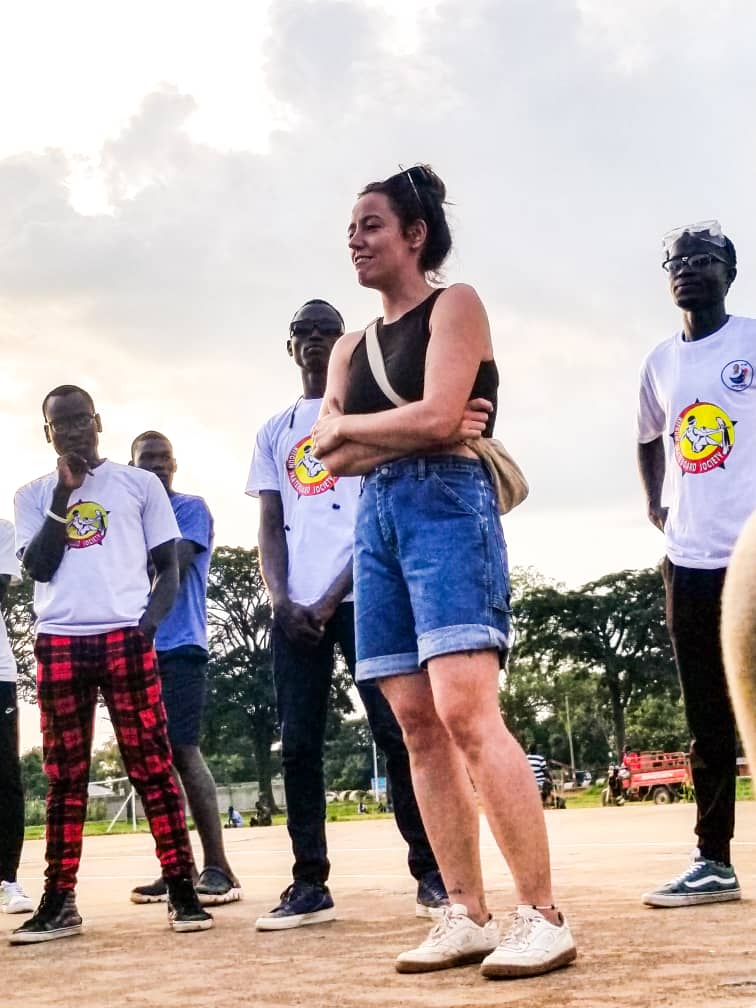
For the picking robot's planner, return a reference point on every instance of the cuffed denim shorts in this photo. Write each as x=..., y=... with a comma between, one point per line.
x=430, y=565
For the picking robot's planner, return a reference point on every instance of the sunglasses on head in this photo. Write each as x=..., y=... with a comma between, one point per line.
x=306, y=326
x=709, y=231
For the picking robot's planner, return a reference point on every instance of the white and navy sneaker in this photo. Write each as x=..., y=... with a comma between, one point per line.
x=301, y=903
x=703, y=882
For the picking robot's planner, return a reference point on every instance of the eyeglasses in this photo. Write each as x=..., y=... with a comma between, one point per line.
x=77, y=422
x=305, y=327
x=709, y=231
x=698, y=262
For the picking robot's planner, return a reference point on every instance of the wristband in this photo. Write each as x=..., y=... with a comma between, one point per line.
x=56, y=517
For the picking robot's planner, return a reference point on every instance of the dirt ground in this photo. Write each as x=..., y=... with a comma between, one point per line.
x=629, y=955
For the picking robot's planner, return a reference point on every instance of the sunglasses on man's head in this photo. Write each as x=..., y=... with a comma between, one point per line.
x=709, y=231
x=305, y=327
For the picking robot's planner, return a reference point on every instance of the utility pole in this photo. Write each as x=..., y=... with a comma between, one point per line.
x=569, y=734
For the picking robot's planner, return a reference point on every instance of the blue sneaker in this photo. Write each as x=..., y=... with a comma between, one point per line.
x=432, y=899
x=704, y=882
x=302, y=903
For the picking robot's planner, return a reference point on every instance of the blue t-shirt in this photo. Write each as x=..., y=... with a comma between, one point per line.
x=186, y=623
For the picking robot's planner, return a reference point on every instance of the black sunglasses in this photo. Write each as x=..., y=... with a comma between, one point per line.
x=305, y=327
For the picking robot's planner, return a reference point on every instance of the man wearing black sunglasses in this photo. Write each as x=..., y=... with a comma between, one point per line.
x=306, y=538
x=697, y=428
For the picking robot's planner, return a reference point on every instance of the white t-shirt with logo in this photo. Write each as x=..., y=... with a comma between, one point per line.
x=9, y=567
x=319, y=509
x=117, y=515
x=700, y=396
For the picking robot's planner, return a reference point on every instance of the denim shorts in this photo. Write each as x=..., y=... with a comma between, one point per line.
x=183, y=677
x=430, y=565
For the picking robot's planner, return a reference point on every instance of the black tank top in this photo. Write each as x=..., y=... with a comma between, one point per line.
x=404, y=344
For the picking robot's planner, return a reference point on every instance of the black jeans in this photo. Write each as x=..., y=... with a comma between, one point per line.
x=11, y=790
x=303, y=681
x=693, y=619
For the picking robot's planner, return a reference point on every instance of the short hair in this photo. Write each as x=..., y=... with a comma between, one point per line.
x=321, y=303
x=417, y=193
x=66, y=390
x=148, y=435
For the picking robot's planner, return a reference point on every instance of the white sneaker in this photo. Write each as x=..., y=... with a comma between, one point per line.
x=454, y=941
x=13, y=899
x=531, y=946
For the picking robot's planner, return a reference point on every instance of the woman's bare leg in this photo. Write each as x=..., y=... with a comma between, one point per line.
x=443, y=790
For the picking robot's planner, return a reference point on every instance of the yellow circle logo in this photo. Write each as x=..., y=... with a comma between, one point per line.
x=306, y=473
x=87, y=524
x=704, y=436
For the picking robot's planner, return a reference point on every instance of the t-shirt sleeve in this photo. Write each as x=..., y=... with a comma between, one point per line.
x=30, y=516
x=195, y=522
x=158, y=519
x=650, y=421
x=8, y=562
x=263, y=473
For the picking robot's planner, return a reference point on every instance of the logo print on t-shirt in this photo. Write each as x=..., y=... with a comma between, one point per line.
x=87, y=524
x=704, y=436
x=307, y=475
x=737, y=375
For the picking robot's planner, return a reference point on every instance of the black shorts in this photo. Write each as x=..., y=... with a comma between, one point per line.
x=183, y=675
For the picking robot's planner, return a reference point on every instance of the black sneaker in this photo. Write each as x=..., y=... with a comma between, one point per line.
x=56, y=917
x=432, y=899
x=155, y=892
x=184, y=910
x=215, y=887
x=302, y=903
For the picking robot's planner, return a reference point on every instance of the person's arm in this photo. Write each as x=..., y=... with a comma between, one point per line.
x=4, y=582
x=295, y=620
x=329, y=601
x=44, y=554
x=186, y=551
x=651, y=464
x=460, y=340
x=164, y=588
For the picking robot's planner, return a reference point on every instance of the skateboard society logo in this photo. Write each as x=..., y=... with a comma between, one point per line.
x=87, y=524
x=704, y=436
x=307, y=475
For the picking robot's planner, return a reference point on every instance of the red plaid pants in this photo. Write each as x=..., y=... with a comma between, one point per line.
x=124, y=667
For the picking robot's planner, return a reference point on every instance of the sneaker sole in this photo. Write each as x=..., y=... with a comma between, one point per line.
x=433, y=913
x=141, y=898
x=502, y=971
x=295, y=920
x=417, y=966
x=184, y=927
x=218, y=899
x=34, y=937
x=689, y=899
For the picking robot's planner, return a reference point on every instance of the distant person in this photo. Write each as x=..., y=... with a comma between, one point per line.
x=181, y=644
x=540, y=768
x=306, y=539
x=432, y=591
x=702, y=377
x=97, y=614
x=234, y=818
x=13, y=899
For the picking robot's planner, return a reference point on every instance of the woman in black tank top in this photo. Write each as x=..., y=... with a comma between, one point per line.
x=431, y=579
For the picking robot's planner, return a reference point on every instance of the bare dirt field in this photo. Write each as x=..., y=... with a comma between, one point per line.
x=629, y=955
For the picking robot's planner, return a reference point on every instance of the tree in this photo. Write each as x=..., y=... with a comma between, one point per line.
x=32, y=775
x=348, y=761
x=18, y=614
x=241, y=697
x=610, y=633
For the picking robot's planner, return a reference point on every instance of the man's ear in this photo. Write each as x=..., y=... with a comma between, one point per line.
x=98, y=423
x=47, y=434
x=289, y=349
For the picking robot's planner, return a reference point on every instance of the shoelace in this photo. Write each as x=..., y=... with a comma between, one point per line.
x=447, y=923
x=519, y=930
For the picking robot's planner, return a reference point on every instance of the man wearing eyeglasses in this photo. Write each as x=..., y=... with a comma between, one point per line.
x=306, y=538
x=697, y=428
x=97, y=613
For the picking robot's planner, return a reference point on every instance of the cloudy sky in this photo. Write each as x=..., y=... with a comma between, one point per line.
x=173, y=184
